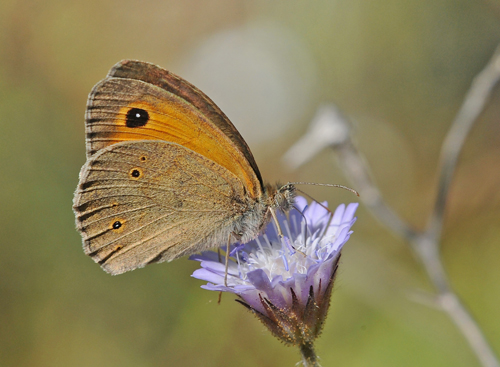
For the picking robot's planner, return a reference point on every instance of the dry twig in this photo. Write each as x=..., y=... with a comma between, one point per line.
x=331, y=128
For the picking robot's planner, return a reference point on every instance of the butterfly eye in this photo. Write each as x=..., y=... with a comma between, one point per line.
x=135, y=173
x=117, y=224
x=137, y=117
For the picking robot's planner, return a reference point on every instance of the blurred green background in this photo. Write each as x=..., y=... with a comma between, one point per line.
x=398, y=69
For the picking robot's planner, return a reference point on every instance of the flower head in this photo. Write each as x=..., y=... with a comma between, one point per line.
x=286, y=282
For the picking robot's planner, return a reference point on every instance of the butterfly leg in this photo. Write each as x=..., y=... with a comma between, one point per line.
x=227, y=265
x=275, y=218
x=227, y=259
x=280, y=232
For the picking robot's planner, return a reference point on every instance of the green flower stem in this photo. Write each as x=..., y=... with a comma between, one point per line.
x=309, y=358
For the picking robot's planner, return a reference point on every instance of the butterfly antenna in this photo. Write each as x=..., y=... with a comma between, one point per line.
x=313, y=199
x=322, y=184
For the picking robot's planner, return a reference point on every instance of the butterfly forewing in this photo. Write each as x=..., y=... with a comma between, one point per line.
x=155, y=75
x=139, y=101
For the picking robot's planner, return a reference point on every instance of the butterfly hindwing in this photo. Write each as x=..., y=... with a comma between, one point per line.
x=149, y=201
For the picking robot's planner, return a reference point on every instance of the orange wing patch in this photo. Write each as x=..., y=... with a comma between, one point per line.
x=130, y=110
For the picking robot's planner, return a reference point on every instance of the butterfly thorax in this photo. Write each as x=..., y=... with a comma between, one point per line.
x=255, y=214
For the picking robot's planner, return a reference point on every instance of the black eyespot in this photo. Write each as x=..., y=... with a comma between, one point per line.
x=117, y=224
x=135, y=172
x=143, y=158
x=137, y=117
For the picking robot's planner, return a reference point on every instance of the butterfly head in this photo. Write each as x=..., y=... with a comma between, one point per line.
x=281, y=197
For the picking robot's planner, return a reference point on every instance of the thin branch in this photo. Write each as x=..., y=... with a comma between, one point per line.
x=428, y=244
x=474, y=102
x=352, y=162
x=424, y=244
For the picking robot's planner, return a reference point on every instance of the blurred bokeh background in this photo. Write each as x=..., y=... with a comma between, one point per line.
x=398, y=69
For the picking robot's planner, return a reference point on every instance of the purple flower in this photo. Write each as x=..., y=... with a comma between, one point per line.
x=286, y=283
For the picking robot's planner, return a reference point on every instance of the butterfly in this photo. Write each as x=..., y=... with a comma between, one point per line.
x=167, y=173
